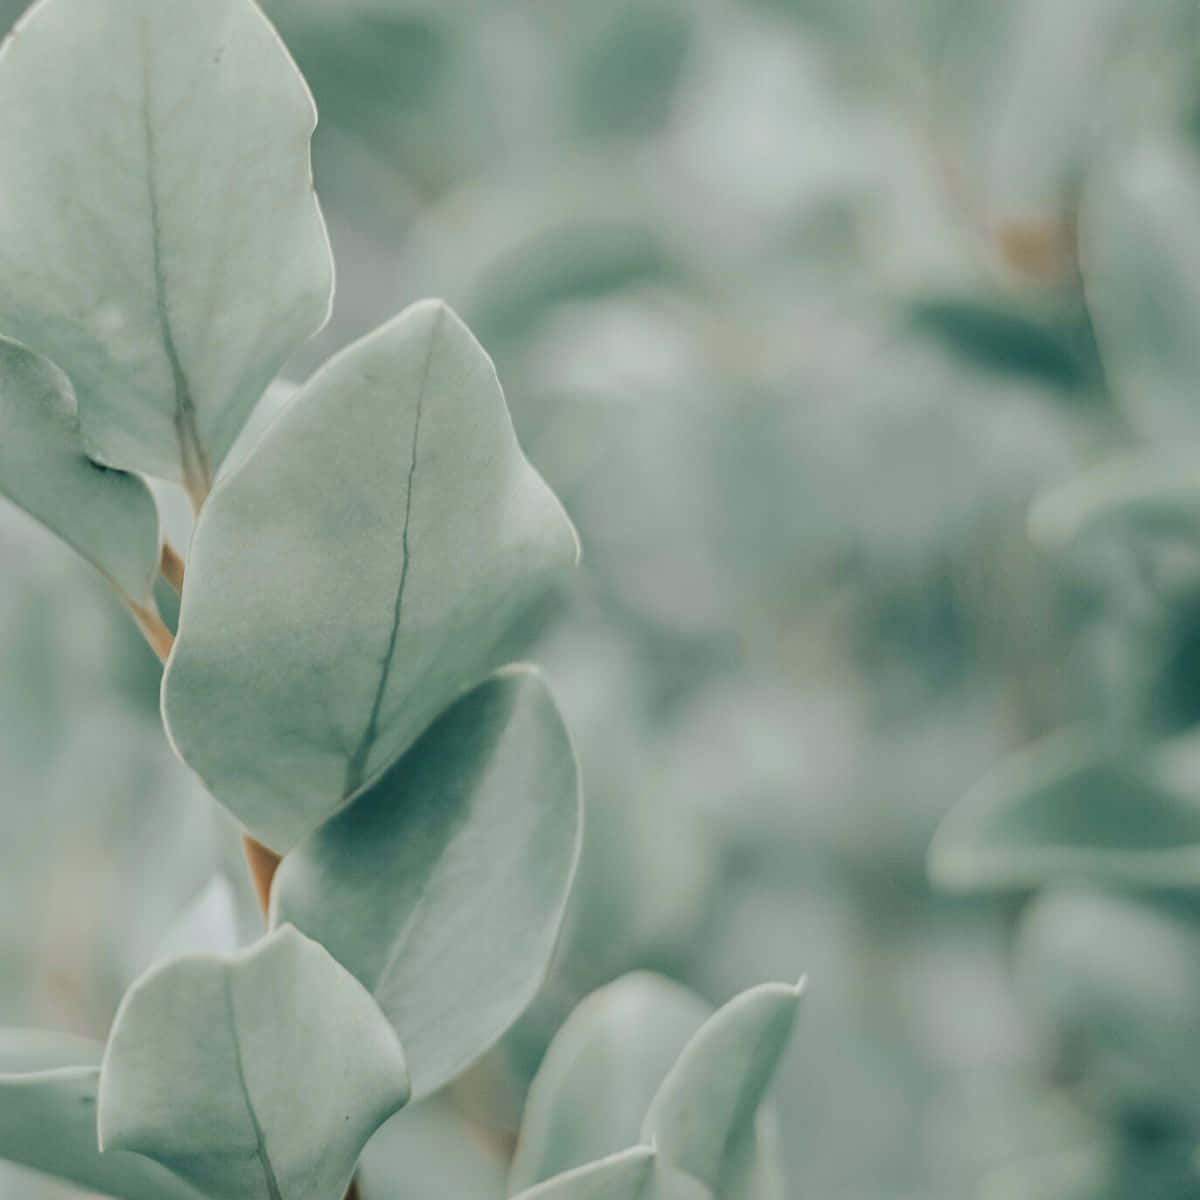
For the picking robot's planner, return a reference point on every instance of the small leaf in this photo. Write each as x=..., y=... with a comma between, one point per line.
x=48, y=1088
x=602, y=1070
x=627, y=1175
x=386, y=546
x=1140, y=252
x=703, y=1117
x=443, y=887
x=108, y=516
x=1071, y=806
x=159, y=237
x=257, y=1076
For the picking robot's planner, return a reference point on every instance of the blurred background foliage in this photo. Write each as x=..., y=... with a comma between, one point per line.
x=799, y=304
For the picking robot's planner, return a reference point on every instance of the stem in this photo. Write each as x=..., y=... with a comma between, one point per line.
x=263, y=864
x=153, y=630
x=171, y=566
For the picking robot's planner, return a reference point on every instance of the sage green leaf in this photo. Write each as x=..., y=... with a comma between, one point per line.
x=703, y=1117
x=159, y=239
x=443, y=887
x=1111, y=981
x=48, y=1085
x=386, y=546
x=627, y=1175
x=108, y=516
x=256, y=1076
x=208, y=925
x=1150, y=494
x=1140, y=252
x=601, y=1072
x=1074, y=806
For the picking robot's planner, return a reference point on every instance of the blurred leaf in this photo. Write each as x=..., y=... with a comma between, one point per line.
x=261, y=1075
x=48, y=1088
x=208, y=925
x=602, y=1070
x=628, y=1175
x=1073, y=806
x=1112, y=982
x=108, y=516
x=386, y=545
x=160, y=239
x=1140, y=248
x=443, y=887
x=703, y=1117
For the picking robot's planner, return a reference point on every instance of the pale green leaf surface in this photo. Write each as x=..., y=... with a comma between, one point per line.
x=627, y=1175
x=703, y=1116
x=1070, y=806
x=48, y=1085
x=386, y=546
x=257, y=1076
x=1140, y=252
x=443, y=887
x=208, y=925
x=160, y=239
x=108, y=516
x=602, y=1070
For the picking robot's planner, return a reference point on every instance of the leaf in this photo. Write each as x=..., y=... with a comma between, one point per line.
x=208, y=925
x=1072, y=806
x=159, y=238
x=48, y=1087
x=628, y=1175
x=1111, y=982
x=1140, y=253
x=703, y=1117
x=261, y=1075
x=602, y=1070
x=443, y=887
x=386, y=546
x=108, y=516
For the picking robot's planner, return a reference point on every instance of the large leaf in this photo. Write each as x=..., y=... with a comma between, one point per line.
x=703, y=1119
x=159, y=238
x=257, y=1076
x=108, y=516
x=1140, y=247
x=627, y=1175
x=1072, y=806
x=385, y=546
x=443, y=887
x=602, y=1070
x=48, y=1119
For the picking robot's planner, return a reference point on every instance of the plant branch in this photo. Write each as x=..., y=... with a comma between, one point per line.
x=171, y=566
x=263, y=864
x=153, y=630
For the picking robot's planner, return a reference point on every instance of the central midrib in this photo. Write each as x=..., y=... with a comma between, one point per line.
x=356, y=764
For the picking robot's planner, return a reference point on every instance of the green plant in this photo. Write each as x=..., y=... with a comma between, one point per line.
x=360, y=578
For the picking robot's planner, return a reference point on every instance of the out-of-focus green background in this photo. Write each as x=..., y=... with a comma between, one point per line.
x=786, y=298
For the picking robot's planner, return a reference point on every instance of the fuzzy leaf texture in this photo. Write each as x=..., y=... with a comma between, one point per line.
x=443, y=887
x=255, y=1077
x=385, y=546
x=160, y=239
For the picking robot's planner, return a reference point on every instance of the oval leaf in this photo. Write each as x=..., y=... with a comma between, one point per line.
x=108, y=516
x=703, y=1117
x=602, y=1070
x=257, y=1076
x=159, y=237
x=385, y=546
x=1071, y=806
x=443, y=888
x=1140, y=252
x=48, y=1088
